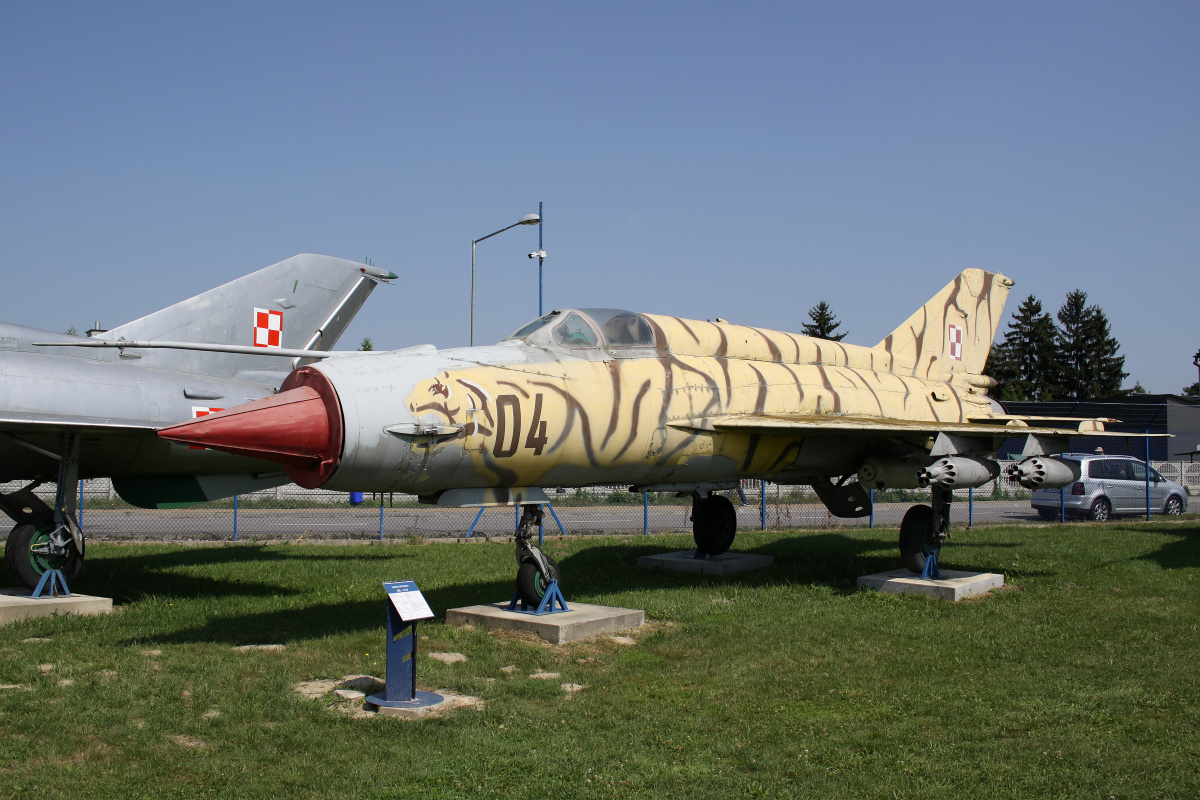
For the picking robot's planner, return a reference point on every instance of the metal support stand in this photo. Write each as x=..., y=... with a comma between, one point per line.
x=930, y=571
x=552, y=598
x=401, y=679
x=51, y=580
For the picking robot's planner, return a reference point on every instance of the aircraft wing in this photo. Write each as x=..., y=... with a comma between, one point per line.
x=29, y=422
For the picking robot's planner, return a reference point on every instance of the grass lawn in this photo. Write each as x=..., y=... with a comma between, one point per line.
x=1080, y=679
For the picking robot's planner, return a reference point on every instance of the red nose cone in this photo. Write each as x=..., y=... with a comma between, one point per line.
x=300, y=427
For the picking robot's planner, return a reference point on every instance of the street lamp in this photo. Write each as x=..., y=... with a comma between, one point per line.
x=1196, y=361
x=528, y=219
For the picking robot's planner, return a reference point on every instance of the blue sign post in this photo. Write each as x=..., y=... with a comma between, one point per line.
x=406, y=607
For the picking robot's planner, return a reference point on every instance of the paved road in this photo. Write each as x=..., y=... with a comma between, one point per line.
x=364, y=522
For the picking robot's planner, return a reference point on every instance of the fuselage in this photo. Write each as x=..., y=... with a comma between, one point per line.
x=121, y=400
x=554, y=409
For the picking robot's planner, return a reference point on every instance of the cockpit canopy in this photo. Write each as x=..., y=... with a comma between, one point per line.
x=588, y=327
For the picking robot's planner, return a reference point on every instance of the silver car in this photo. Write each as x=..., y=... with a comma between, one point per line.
x=1110, y=485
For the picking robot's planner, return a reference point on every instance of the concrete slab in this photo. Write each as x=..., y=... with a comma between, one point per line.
x=16, y=604
x=954, y=585
x=583, y=621
x=724, y=564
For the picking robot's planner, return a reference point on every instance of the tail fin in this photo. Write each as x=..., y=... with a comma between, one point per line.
x=304, y=302
x=953, y=332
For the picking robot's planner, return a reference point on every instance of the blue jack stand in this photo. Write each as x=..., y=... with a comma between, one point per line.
x=52, y=580
x=553, y=597
x=930, y=571
x=401, y=681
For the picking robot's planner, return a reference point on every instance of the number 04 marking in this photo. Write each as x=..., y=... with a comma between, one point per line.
x=508, y=427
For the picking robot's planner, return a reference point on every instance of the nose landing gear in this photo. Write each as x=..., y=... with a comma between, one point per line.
x=536, y=569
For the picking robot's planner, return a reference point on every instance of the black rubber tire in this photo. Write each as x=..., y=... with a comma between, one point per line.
x=27, y=567
x=1174, y=506
x=916, y=538
x=1101, y=510
x=714, y=524
x=531, y=584
x=1048, y=514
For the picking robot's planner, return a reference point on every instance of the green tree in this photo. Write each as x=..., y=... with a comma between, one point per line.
x=1087, y=351
x=367, y=344
x=1025, y=364
x=1192, y=391
x=824, y=324
x=72, y=332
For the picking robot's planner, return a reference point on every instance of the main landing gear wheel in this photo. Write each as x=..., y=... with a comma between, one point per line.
x=36, y=546
x=532, y=583
x=918, y=539
x=714, y=524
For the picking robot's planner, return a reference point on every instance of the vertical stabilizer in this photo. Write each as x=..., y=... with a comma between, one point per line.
x=304, y=302
x=953, y=332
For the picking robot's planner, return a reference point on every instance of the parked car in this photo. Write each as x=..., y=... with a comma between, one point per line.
x=1110, y=485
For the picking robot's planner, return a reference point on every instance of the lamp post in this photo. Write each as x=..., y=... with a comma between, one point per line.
x=1196, y=361
x=528, y=219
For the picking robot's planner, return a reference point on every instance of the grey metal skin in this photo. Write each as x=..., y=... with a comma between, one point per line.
x=109, y=402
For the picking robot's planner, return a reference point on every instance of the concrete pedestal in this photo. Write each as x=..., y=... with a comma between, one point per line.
x=583, y=621
x=724, y=564
x=16, y=604
x=954, y=585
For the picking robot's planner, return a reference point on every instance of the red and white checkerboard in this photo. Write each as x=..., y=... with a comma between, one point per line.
x=955, y=337
x=268, y=327
x=202, y=411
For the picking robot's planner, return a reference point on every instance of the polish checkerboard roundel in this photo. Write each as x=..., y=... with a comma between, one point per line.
x=955, y=337
x=268, y=327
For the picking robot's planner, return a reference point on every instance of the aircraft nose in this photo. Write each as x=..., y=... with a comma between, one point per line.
x=300, y=428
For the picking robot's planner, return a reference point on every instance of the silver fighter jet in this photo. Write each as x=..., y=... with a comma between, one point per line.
x=69, y=411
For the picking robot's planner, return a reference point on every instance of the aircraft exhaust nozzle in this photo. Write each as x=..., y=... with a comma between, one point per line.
x=959, y=472
x=1041, y=472
x=300, y=427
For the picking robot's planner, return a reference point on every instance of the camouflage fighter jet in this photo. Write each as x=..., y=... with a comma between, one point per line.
x=68, y=413
x=598, y=396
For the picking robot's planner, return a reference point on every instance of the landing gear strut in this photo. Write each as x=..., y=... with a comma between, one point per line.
x=45, y=538
x=924, y=530
x=714, y=523
x=536, y=569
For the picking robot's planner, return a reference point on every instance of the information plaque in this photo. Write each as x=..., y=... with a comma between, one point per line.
x=407, y=600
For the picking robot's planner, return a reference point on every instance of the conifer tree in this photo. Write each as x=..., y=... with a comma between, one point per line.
x=1025, y=364
x=1091, y=367
x=824, y=324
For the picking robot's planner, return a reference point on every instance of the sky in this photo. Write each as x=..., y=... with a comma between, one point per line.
x=699, y=159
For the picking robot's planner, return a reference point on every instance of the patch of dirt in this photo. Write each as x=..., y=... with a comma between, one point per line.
x=34, y=640
x=626, y=640
x=314, y=690
x=367, y=684
x=572, y=688
x=45, y=668
x=448, y=658
x=272, y=648
x=545, y=676
x=188, y=741
x=151, y=653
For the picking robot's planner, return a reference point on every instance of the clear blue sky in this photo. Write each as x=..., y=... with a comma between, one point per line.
x=701, y=159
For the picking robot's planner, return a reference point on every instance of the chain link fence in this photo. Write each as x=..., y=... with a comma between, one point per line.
x=290, y=512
